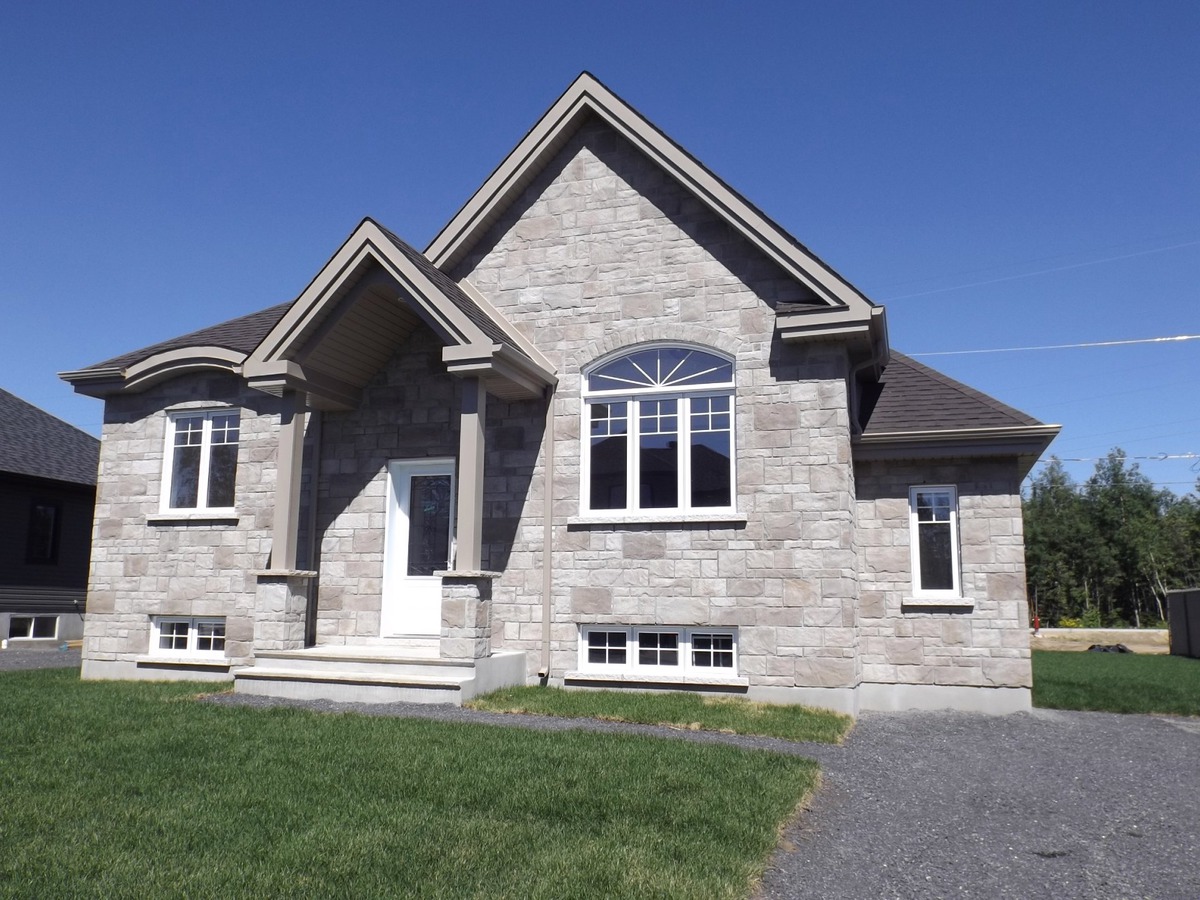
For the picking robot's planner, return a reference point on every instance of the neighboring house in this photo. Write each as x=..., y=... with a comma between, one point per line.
x=47, y=491
x=614, y=427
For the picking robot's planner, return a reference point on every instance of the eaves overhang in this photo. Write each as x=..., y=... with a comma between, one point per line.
x=1025, y=443
x=108, y=380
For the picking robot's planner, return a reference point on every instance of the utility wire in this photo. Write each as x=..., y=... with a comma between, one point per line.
x=1157, y=340
x=1082, y=265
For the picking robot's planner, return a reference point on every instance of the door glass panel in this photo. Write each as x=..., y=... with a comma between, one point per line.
x=429, y=524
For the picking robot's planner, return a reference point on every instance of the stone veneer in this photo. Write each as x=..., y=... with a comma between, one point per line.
x=145, y=564
x=983, y=646
x=603, y=251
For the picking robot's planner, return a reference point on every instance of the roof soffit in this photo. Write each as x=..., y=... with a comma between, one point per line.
x=359, y=307
x=586, y=96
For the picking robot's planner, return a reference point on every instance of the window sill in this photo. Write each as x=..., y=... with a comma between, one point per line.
x=185, y=662
x=651, y=679
x=653, y=517
x=215, y=516
x=937, y=602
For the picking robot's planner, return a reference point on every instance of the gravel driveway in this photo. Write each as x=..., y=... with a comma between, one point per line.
x=930, y=805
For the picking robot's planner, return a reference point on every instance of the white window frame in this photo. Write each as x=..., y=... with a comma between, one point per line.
x=192, y=649
x=633, y=397
x=920, y=593
x=632, y=664
x=33, y=620
x=201, y=509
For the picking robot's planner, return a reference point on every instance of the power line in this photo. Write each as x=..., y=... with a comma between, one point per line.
x=1094, y=262
x=1156, y=340
x=1157, y=457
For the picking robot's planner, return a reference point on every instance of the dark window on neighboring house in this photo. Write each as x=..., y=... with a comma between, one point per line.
x=41, y=545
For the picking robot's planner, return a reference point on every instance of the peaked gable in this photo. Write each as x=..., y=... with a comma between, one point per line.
x=833, y=306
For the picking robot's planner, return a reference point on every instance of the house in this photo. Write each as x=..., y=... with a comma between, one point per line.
x=47, y=490
x=613, y=427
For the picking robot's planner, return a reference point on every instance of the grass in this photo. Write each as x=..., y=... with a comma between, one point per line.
x=133, y=790
x=679, y=710
x=1116, y=682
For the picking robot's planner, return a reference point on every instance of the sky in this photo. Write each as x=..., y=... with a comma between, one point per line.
x=999, y=175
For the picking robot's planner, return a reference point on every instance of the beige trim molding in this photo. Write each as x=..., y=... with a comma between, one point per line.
x=585, y=97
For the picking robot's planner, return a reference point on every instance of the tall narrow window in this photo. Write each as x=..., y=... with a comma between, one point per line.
x=933, y=523
x=201, y=465
x=660, y=426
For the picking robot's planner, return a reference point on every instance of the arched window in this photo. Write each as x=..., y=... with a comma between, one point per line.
x=659, y=422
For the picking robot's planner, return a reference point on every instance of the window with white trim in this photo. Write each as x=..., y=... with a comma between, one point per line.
x=187, y=636
x=933, y=533
x=200, y=464
x=658, y=650
x=32, y=628
x=659, y=422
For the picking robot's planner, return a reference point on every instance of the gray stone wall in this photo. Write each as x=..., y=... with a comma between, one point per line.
x=603, y=251
x=143, y=566
x=409, y=411
x=985, y=646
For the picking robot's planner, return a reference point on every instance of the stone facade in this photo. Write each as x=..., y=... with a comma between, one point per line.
x=985, y=645
x=602, y=252
x=145, y=563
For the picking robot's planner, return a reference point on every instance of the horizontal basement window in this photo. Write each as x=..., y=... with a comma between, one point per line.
x=658, y=650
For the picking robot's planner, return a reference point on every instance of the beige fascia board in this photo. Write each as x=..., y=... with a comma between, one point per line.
x=514, y=334
x=277, y=376
x=368, y=242
x=587, y=95
x=496, y=361
x=102, y=382
x=1025, y=443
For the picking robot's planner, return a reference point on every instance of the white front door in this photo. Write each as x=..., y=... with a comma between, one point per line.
x=419, y=542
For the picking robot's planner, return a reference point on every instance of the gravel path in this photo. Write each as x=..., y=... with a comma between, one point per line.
x=930, y=805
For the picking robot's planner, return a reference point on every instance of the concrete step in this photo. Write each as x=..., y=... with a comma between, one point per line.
x=365, y=661
x=375, y=674
x=349, y=687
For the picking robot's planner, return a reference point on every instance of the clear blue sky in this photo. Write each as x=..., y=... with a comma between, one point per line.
x=999, y=174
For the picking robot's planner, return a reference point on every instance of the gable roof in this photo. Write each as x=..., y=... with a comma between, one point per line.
x=36, y=444
x=363, y=303
x=839, y=309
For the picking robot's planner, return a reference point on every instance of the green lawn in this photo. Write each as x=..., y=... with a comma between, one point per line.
x=134, y=790
x=1116, y=682
x=679, y=709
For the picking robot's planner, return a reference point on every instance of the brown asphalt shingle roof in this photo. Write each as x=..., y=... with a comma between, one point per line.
x=35, y=443
x=242, y=334
x=913, y=397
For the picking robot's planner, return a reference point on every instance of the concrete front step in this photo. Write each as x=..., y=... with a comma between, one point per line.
x=375, y=675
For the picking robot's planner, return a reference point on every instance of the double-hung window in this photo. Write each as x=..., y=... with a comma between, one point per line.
x=659, y=425
x=933, y=531
x=200, y=471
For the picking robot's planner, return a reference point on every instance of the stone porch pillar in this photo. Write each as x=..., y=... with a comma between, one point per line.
x=466, y=614
x=281, y=595
x=469, y=555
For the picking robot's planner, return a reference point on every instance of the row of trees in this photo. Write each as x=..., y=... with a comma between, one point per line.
x=1107, y=551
